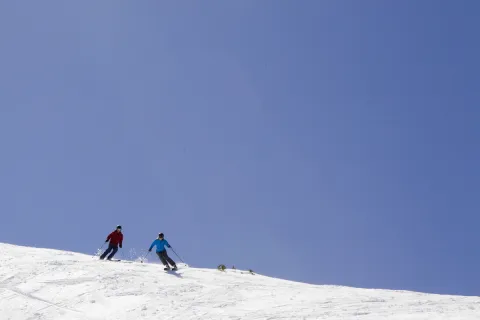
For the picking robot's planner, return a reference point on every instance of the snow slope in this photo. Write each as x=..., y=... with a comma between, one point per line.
x=48, y=284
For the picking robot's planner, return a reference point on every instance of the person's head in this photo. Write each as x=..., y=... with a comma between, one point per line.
x=160, y=236
x=119, y=228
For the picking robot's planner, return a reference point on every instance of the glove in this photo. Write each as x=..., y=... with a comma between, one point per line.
x=149, y=250
x=106, y=241
x=169, y=246
x=120, y=246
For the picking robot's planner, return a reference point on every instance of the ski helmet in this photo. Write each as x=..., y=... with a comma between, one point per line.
x=160, y=235
x=119, y=227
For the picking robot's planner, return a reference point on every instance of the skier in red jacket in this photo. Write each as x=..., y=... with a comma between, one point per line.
x=116, y=240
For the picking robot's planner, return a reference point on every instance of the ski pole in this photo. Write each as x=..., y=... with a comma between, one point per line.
x=99, y=250
x=144, y=257
x=177, y=255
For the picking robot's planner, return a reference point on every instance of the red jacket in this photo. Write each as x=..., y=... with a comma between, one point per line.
x=116, y=238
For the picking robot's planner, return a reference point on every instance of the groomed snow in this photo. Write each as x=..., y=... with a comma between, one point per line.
x=48, y=284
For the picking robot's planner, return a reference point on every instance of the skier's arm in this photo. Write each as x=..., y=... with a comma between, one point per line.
x=153, y=243
x=108, y=237
x=121, y=240
x=167, y=244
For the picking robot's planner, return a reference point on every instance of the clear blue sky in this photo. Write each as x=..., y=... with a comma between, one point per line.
x=331, y=142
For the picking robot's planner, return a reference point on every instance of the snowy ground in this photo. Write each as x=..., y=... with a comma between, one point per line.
x=48, y=284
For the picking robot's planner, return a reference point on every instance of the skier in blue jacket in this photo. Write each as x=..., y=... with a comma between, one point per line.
x=161, y=243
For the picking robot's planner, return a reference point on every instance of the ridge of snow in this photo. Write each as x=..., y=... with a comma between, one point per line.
x=48, y=284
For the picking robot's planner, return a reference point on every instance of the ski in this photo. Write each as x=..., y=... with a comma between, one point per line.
x=170, y=269
x=118, y=260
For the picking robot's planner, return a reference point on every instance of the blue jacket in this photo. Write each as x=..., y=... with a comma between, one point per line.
x=160, y=245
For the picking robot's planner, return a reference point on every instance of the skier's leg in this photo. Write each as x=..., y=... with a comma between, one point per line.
x=162, y=259
x=172, y=263
x=114, y=250
x=161, y=255
x=106, y=252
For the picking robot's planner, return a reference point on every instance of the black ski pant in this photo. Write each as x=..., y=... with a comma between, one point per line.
x=163, y=255
x=111, y=248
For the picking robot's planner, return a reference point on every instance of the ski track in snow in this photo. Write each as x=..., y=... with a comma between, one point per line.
x=45, y=284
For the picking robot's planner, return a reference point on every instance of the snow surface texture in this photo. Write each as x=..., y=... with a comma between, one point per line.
x=48, y=284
